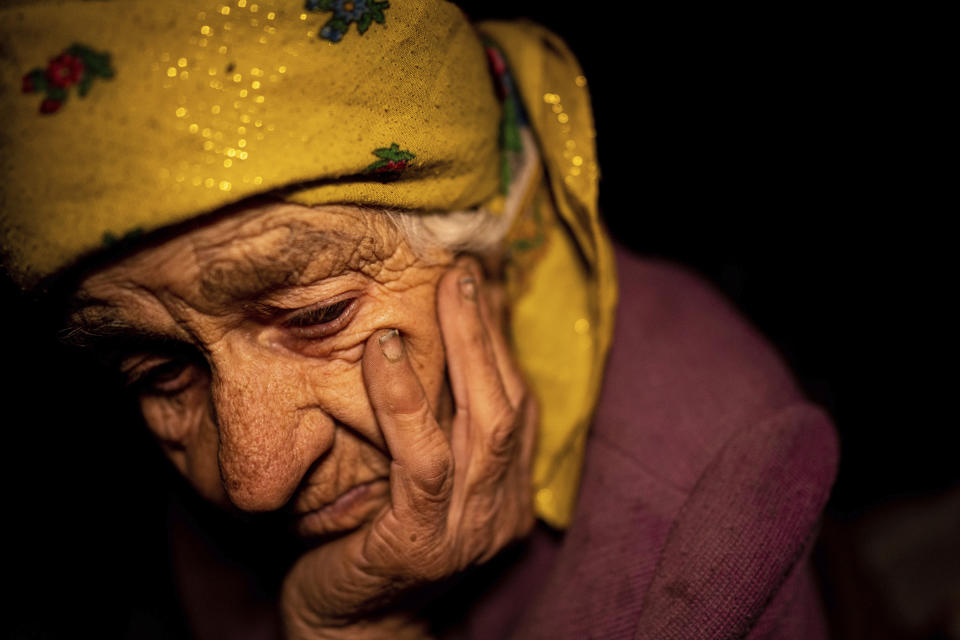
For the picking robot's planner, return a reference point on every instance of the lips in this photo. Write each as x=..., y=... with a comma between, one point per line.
x=350, y=509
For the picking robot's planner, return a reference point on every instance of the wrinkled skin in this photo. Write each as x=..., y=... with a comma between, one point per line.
x=297, y=358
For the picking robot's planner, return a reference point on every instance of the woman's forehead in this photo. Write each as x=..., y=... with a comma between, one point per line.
x=253, y=250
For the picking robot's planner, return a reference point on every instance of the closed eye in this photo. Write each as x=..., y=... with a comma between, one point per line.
x=165, y=374
x=321, y=320
x=318, y=315
x=168, y=379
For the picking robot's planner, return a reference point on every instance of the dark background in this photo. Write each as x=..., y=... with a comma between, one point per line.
x=771, y=150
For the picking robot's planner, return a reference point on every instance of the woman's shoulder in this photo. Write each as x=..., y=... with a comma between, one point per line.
x=686, y=371
x=706, y=472
x=671, y=320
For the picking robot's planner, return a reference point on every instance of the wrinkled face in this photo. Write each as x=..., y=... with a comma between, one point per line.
x=243, y=340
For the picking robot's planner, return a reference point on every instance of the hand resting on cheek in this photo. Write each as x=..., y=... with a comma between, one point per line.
x=454, y=502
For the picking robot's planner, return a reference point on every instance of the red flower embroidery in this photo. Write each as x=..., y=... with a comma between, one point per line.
x=392, y=166
x=50, y=105
x=64, y=70
x=78, y=65
x=393, y=160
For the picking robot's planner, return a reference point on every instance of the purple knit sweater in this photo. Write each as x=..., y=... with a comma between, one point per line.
x=706, y=474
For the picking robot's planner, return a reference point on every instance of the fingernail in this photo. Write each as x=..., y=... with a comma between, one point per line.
x=391, y=345
x=468, y=287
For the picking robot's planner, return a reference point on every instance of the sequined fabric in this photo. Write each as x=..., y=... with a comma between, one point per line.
x=211, y=102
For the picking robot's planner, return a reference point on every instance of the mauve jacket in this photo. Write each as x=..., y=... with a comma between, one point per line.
x=705, y=477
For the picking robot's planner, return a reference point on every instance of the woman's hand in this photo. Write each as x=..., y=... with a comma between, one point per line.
x=454, y=502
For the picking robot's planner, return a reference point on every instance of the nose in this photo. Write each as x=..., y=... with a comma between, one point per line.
x=267, y=438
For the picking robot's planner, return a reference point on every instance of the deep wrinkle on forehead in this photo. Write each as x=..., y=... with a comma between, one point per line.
x=240, y=268
x=241, y=262
x=292, y=245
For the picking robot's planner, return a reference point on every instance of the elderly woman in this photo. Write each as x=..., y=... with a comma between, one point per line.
x=348, y=257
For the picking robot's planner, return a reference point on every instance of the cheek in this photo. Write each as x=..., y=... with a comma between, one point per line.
x=327, y=373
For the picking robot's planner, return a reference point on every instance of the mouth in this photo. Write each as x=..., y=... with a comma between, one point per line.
x=347, y=511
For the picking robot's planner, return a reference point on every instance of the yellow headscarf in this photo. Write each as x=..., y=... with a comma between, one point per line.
x=123, y=117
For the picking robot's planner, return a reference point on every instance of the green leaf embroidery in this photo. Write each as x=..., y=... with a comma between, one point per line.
x=364, y=23
x=393, y=152
x=393, y=160
x=84, y=85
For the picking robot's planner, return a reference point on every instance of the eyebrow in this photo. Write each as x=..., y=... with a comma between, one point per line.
x=95, y=327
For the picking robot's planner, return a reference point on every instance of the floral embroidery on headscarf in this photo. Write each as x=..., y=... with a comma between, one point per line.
x=345, y=12
x=393, y=160
x=78, y=65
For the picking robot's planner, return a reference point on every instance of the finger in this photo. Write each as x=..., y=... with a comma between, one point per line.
x=490, y=305
x=474, y=376
x=528, y=438
x=531, y=423
x=422, y=469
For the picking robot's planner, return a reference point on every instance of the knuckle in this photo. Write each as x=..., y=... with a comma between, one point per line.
x=502, y=430
x=433, y=475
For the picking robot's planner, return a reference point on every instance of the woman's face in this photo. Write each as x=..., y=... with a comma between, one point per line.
x=243, y=341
